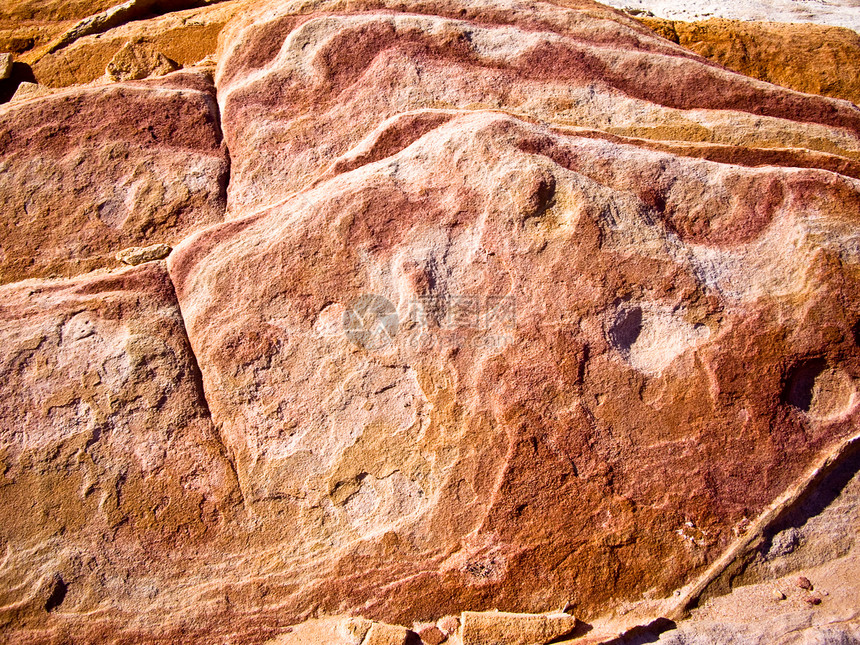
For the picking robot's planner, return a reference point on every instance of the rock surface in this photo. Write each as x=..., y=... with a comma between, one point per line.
x=576, y=73
x=185, y=37
x=138, y=255
x=112, y=476
x=473, y=307
x=807, y=58
x=5, y=66
x=36, y=29
x=136, y=61
x=815, y=546
x=534, y=315
x=88, y=172
x=488, y=628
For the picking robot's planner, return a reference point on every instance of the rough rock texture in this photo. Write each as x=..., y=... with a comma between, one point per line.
x=36, y=28
x=112, y=477
x=500, y=407
x=136, y=61
x=488, y=628
x=5, y=66
x=185, y=37
x=570, y=68
x=512, y=306
x=561, y=325
x=27, y=91
x=801, y=586
x=432, y=635
x=138, y=255
x=26, y=24
x=382, y=634
x=807, y=58
x=88, y=172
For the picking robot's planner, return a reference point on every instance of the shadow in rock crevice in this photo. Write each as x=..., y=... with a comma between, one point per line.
x=21, y=73
x=643, y=634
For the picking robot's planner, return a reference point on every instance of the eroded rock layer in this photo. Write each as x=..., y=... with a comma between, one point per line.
x=503, y=306
x=807, y=58
x=113, y=478
x=87, y=172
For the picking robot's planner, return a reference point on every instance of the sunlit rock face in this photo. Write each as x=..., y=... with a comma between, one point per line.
x=89, y=171
x=113, y=479
x=503, y=306
x=482, y=352
x=776, y=52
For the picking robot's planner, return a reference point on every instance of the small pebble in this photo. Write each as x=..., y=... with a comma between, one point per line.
x=432, y=635
x=778, y=595
x=804, y=583
x=138, y=255
x=813, y=600
x=448, y=624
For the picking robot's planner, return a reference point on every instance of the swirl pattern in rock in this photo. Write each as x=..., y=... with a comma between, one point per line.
x=512, y=305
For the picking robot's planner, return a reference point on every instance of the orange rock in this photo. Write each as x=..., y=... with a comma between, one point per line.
x=432, y=635
x=92, y=171
x=508, y=308
x=110, y=466
x=486, y=628
x=135, y=61
x=809, y=58
x=184, y=37
x=382, y=634
x=804, y=583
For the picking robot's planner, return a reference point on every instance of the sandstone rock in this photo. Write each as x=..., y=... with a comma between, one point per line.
x=138, y=255
x=136, y=61
x=611, y=279
x=514, y=305
x=23, y=10
x=103, y=20
x=356, y=629
x=382, y=634
x=110, y=465
x=207, y=61
x=432, y=635
x=27, y=91
x=5, y=66
x=751, y=612
x=804, y=583
x=490, y=628
x=113, y=16
x=807, y=58
x=91, y=170
x=185, y=37
x=449, y=624
x=573, y=69
x=26, y=25
x=317, y=631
